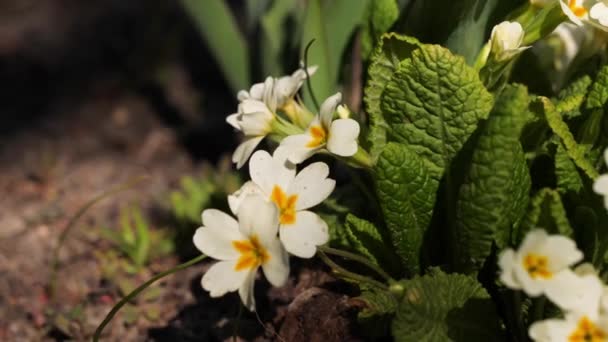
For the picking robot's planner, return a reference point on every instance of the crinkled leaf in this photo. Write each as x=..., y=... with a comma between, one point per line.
x=570, y=99
x=589, y=132
x=598, y=95
x=445, y=307
x=433, y=103
x=494, y=195
x=407, y=195
x=392, y=49
x=382, y=14
x=367, y=240
x=568, y=178
x=545, y=211
x=379, y=307
x=561, y=129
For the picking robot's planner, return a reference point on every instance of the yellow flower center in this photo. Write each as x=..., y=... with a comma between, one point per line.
x=318, y=136
x=253, y=254
x=537, y=266
x=586, y=331
x=286, y=205
x=578, y=11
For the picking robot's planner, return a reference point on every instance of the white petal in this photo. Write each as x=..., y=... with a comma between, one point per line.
x=296, y=148
x=215, y=237
x=599, y=12
x=258, y=217
x=302, y=237
x=266, y=171
x=577, y=294
x=222, y=278
x=600, y=186
x=256, y=123
x=235, y=199
x=550, y=330
x=533, y=239
x=343, y=136
x=244, y=150
x=606, y=156
x=532, y=287
x=253, y=106
x=257, y=91
x=246, y=290
x=233, y=120
x=561, y=252
x=243, y=95
x=568, y=12
x=507, y=261
x=276, y=269
x=328, y=108
x=269, y=97
x=312, y=185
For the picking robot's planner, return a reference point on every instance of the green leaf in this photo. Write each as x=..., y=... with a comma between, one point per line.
x=367, y=240
x=382, y=14
x=568, y=178
x=392, y=49
x=407, y=195
x=561, y=129
x=598, y=95
x=273, y=36
x=546, y=211
x=445, y=307
x=570, y=99
x=494, y=195
x=217, y=26
x=379, y=307
x=433, y=103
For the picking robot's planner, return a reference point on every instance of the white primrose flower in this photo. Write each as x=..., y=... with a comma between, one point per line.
x=600, y=186
x=277, y=91
x=573, y=328
x=541, y=266
x=337, y=136
x=579, y=12
x=506, y=40
x=275, y=178
x=242, y=247
x=599, y=13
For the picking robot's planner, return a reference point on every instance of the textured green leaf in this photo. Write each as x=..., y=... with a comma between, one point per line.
x=433, y=103
x=545, y=211
x=366, y=239
x=376, y=316
x=217, y=25
x=570, y=99
x=561, y=129
x=494, y=195
x=598, y=95
x=445, y=307
x=568, y=178
x=392, y=49
x=382, y=14
x=407, y=195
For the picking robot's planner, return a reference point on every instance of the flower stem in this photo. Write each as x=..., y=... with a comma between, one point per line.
x=361, y=159
x=357, y=258
x=139, y=289
x=348, y=274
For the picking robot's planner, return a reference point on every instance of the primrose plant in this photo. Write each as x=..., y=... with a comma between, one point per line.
x=471, y=207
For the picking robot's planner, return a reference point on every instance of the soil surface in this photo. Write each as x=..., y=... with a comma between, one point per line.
x=52, y=167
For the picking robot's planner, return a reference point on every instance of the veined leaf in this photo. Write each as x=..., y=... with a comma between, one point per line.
x=433, y=104
x=445, y=307
x=561, y=129
x=570, y=99
x=495, y=192
x=367, y=240
x=380, y=305
x=545, y=211
x=568, y=178
x=392, y=49
x=407, y=195
x=598, y=95
x=218, y=27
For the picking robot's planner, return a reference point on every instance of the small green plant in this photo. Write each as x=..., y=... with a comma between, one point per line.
x=136, y=240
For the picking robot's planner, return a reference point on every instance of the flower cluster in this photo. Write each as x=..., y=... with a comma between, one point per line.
x=542, y=266
x=273, y=217
x=593, y=12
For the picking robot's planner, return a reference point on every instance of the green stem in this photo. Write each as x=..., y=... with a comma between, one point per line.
x=361, y=159
x=545, y=21
x=357, y=258
x=348, y=274
x=71, y=224
x=139, y=289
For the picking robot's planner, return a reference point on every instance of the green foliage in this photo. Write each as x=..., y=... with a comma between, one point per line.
x=570, y=100
x=218, y=27
x=133, y=236
x=598, y=95
x=407, y=193
x=445, y=307
x=495, y=192
x=545, y=211
x=382, y=14
x=568, y=177
x=379, y=308
x=274, y=35
x=433, y=104
x=391, y=50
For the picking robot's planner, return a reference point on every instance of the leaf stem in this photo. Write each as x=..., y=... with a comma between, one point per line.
x=139, y=289
x=357, y=258
x=348, y=274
